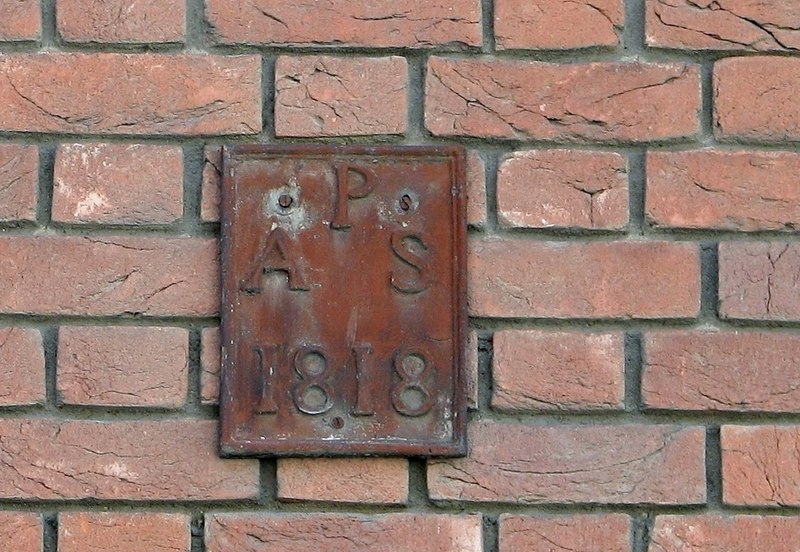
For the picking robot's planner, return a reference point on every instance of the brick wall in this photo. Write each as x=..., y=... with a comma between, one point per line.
x=633, y=270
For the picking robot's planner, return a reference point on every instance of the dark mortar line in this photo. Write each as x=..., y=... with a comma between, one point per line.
x=492, y=162
x=487, y=28
x=637, y=190
x=633, y=370
x=485, y=361
x=49, y=32
x=44, y=321
x=45, y=184
x=195, y=25
x=194, y=373
x=709, y=282
x=418, y=496
x=197, y=526
x=50, y=345
x=193, y=160
x=267, y=98
x=268, y=482
x=50, y=532
x=714, y=481
x=707, y=97
x=491, y=532
x=633, y=33
x=416, y=132
x=641, y=528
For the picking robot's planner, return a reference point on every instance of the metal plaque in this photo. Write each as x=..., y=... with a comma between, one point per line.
x=343, y=312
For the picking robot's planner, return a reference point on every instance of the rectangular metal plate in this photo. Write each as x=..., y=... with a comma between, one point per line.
x=343, y=311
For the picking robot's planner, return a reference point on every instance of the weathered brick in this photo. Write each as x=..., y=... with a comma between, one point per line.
x=123, y=366
x=757, y=281
x=21, y=367
x=123, y=532
x=329, y=96
x=97, y=276
x=378, y=23
x=19, y=167
x=212, y=182
x=471, y=370
x=20, y=20
x=121, y=20
x=576, y=533
x=124, y=460
x=523, y=278
x=579, y=101
x=749, y=25
x=618, y=464
x=760, y=465
x=20, y=531
x=187, y=94
x=209, y=365
x=343, y=532
x=352, y=480
x=540, y=370
x=556, y=25
x=727, y=371
x=714, y=533
x=563, y=189
x=742, y=190
x=755, y=98
x=118, y=183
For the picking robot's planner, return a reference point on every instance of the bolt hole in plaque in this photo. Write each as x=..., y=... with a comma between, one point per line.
x=343, y=301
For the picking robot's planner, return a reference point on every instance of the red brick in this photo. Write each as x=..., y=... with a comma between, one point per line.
x=576, y=533
x=21, y=367
x=20, y=21
x=352, y=480
x=755, y=98
x=118, y=184
x=591, y=464
x=725, y=371
x=123, y=532
x=20, y=532
x=749, y=25
x=123, y=366
x=328, y=96
x=556, y=25
x=742, y=190
x=760, y=465
x=209, y=365
x=212, y=181
x=580, y=101
x=757, y=281
x=97, y=276
x=123, y=460
x=256, y=532
x=378, y=23
x=714, y=533
x=563, y=189
x=19, y=167
x=522, y=278
x=121, y=20
x=540, y=370
x=187, y=94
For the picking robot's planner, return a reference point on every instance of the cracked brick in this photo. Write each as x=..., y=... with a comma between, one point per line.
x=570, y=533
x=378, y=23
x=123, y=532
x=19, y=168
x=563, y=189
x=632, y=102
x=731, y=533
x=168, y=94
x=619, y=464
x=20, y=21
x=118, y=184
x=129, y=276
x=401, y=532
x=20, y=531
x=721, y=371
x=123, y=366
x=121, y=21
x=755, y=98
x=758, y=281
x=556, y=25
x=22, y=377
x=329, y=96
x=557, y=371
x=47, y=459
x=746, y=25
x=728, y=190
x=348, y=480
x=516, y=278
x=761, y=465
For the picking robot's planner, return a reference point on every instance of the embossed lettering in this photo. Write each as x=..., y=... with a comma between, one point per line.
x=416, y=279
x=351, y=183
x=273, y=257
x=312, y=394
x=410, y=397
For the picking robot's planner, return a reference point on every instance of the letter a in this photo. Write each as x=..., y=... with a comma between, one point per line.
x=272, y=258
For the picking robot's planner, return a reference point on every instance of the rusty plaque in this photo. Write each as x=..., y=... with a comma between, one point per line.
x=343, y=311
